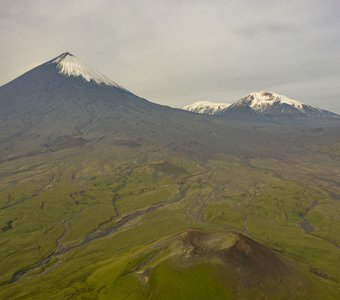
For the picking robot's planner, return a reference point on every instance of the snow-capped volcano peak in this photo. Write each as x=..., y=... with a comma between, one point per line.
x=206, y=107
x=70, y=66
x=260, y=101
x=270, y=105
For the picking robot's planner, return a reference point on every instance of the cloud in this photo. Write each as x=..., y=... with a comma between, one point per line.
x=265, y=27
x=176, y=52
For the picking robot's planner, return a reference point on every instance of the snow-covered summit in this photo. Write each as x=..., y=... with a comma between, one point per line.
x=70, y=66
x=261, y=101
x=206, y=107
x=270, y=105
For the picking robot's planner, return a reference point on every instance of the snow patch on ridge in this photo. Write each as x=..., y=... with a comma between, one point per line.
x=206, y=107
x=70, y=66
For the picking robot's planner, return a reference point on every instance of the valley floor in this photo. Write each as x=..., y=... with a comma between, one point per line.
x=108, y=224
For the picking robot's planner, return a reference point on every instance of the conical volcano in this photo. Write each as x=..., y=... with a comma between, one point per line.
x=65, y=98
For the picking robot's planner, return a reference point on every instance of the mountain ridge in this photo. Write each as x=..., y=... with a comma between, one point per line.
x=264, y=104
x=42, y=108
x=206, y=107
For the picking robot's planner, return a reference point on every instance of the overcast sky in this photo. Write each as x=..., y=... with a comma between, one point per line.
x=177, y=52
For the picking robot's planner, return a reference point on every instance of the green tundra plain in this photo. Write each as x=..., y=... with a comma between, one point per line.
x=126, y=222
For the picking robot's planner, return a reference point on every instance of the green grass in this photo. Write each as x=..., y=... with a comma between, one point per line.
x=195, y=282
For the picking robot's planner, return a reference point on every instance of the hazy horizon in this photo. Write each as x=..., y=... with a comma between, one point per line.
x=176, y=53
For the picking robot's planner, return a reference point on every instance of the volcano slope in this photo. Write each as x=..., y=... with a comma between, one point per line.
x=104, y=195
